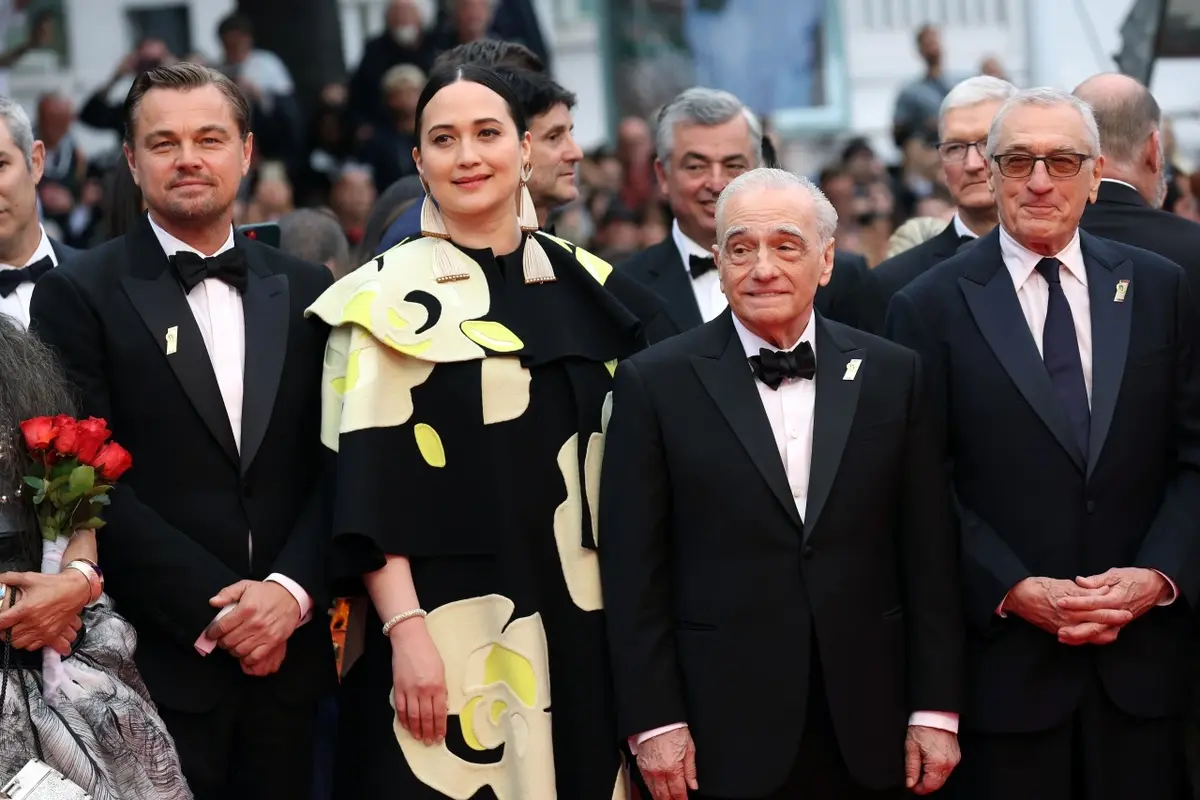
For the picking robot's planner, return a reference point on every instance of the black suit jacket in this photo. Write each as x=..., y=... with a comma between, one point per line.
x=62, y=252
x=714, y=586
x=180, y=519
x=1121, y=214
x=902, y=269
x=1031, y=505
x=851, y=296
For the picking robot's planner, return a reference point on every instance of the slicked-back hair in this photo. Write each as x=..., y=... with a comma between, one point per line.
x=490, y=53
x=536, y=91
x=185, y=77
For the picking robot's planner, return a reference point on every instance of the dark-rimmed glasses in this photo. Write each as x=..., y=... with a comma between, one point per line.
x=957, y=151
x=1058, y=165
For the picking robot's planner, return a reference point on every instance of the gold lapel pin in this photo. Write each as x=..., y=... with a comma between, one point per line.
x=852, y=369
x=1122, y=288
x=172, y=339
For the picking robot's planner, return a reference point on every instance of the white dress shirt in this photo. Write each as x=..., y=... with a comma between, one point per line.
x=791, y=411
x=707, y=287
x=217, y=307
x=961, y=228
x=1033, y=293
x=16, y=305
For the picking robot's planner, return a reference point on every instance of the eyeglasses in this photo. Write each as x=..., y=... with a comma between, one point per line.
x=957, y=151
x=1058, y=165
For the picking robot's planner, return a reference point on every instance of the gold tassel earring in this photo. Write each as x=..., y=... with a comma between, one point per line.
x=433, y=226
x=536, y=263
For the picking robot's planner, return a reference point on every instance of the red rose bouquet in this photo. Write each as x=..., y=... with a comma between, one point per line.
x=74, y=466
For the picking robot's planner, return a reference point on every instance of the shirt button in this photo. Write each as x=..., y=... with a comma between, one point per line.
x=797, y=491
x=794, y=434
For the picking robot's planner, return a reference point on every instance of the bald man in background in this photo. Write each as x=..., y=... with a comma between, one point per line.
x=1128, y=208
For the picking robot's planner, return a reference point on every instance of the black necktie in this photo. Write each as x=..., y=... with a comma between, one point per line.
x=229, y=267
x=10, y=279
x=1060, y=351
x=698, y=265
x=772, y=366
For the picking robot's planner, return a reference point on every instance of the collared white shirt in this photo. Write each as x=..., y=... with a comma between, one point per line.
x=16, y=305
x=791, y=410
x=961, y=228
x=707, y=287
x=1123, y=183
x=1033, y=293
x=217, y=307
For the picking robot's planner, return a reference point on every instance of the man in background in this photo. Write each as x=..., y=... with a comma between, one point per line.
x=314, y=235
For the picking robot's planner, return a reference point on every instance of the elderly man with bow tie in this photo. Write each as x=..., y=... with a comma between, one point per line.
x=776, y=539
x=26, y=252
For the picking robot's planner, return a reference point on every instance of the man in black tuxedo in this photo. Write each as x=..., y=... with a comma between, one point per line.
x=26, y=251
x=1064, y=369
x=706, y=138
x=963, y=122
x=777, y=549
x=1128, y=207
x=191, y=341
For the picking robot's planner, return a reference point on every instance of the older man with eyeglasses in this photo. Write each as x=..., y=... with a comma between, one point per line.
x=1066, y=373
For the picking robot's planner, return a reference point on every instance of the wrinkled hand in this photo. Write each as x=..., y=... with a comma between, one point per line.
x=1129, y=589
x=930, y=755
x=265, y=660
x=418, y=682
x=668, y=764
x=47, y=609
x=266, y=615
x=1036, y=600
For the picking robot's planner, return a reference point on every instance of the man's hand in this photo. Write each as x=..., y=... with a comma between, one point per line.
x=668, y=764
x=930, y=755
x=1131, y=590
x=1036, y=600
x=47, y=609
x=265, y=660
x=266, y=615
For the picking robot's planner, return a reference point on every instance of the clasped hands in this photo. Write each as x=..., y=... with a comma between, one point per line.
x=47, y=612
x=1090, y=610
x=256, y=631
x=667, y=762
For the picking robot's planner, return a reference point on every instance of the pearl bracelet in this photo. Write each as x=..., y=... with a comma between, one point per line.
x=396, y=620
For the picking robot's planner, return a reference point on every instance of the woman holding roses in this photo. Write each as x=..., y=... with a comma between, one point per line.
x=92, y=720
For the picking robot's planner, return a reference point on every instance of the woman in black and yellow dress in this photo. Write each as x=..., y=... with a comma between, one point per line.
x=466, y=391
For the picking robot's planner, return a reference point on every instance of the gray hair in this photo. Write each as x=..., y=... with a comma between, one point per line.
x=703, y=106
x=19, y=127
x=1045, y=97
x=972, y=92
x=765, y=178
x=34, y=385
x=315, y=236
x=1126, y=119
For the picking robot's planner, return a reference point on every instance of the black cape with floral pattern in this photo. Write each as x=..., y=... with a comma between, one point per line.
x=467, y=417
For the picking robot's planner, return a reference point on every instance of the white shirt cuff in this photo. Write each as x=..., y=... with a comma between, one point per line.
x=205, y=645
x=1174, y=591
x=634, y=741
x=942, y=720
x=297, y=591
x=1000, y=608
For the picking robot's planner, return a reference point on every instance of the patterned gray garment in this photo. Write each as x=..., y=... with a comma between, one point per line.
x=100, y=729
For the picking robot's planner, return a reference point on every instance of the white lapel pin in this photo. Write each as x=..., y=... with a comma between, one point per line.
x=1122, y=288
x=172, y=339
x=852, y=369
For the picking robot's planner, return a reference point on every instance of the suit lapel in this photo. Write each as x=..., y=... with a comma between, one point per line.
x=833, y=414
x=1111, y=322
x=988, y=289
x=265, y=306
x=945, y=244
x=163, y=307
x=670, y=281
x=729, y=381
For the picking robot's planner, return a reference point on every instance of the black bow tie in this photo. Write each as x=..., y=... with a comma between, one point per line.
x=772, y=366
x=10, y=279
x=698, y=265
x=229, y=267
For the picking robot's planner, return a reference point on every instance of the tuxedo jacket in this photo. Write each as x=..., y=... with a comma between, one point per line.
x=902, y=269
x=1030, y=504
x=716, y=590
x=62, y=252
x=179, y=526
x=851, y=296
x=1120, y=214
